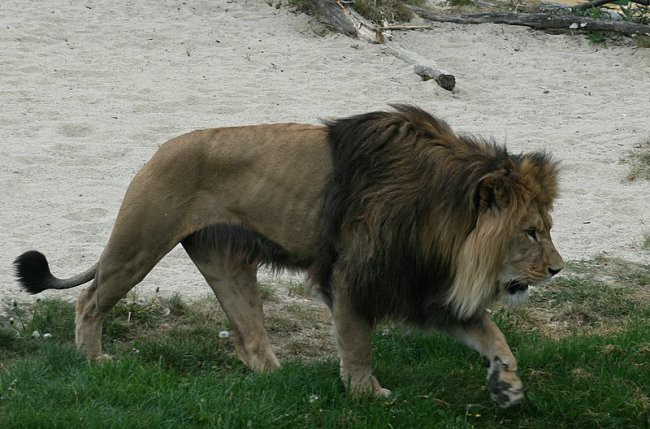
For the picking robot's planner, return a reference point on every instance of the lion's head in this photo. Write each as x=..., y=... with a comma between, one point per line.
x=425, y=224
x=510, y=247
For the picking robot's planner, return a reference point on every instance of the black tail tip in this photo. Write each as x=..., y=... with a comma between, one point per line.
x=33, y=271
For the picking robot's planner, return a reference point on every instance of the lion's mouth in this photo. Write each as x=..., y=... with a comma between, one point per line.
x=516, y=286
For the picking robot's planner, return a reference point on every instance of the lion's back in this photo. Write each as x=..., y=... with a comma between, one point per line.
x=268, y=178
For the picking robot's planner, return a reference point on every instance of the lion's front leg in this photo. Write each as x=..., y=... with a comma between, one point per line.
x=485, y=337
x=353, y=337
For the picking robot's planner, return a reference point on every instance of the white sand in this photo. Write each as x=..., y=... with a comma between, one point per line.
x=90, y=89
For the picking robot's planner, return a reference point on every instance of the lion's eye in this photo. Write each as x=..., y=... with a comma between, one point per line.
x=532, y=234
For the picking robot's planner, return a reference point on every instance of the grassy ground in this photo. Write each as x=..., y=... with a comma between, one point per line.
x=583, y=346
x=639, y=160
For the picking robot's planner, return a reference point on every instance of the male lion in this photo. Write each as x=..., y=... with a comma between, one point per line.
x=393, y=215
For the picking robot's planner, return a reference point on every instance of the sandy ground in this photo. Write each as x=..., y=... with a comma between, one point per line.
x=90, y=89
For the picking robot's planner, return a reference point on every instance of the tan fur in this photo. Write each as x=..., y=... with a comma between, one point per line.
x=498, y=250
x=268, y=178
x=273, y=184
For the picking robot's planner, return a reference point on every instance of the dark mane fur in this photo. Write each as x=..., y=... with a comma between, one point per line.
x=401, y=199
x=242, y=246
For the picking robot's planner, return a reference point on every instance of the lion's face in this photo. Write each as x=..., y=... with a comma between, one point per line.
x=530, y=257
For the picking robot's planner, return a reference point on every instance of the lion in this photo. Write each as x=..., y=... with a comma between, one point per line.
x=392, y=215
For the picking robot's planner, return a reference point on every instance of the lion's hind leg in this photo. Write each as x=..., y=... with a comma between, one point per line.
x=235, y=285
x=88, y=326
x=503, y=382
x=116, y=275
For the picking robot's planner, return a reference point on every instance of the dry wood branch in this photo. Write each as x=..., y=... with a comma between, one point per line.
x=424, y=68
x=405, y=27
x=349, y=22
x=542, y=21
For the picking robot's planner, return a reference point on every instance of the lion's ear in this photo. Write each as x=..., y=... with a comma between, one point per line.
x=492, y=192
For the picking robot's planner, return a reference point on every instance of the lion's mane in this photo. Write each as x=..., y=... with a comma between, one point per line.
x=402, y=226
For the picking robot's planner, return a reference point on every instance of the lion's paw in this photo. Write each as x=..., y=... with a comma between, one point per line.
x=369, y=386
x=505, y=387
x=103, y=358
x=382, y=393
x=377, y=390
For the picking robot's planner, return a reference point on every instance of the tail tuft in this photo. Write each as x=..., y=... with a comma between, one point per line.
x=33, y=272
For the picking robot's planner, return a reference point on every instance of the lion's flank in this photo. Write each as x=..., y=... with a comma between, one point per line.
x=400, y=227
x=242, y=246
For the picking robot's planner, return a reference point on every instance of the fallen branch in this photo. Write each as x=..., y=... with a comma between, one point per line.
x=405, y=27
x=426, y=72
x=347, y=21
x=541, y=21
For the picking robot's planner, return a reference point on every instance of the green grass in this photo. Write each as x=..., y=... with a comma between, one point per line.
x=598, y=296
x=304, y=6
x=386, y=10
x=595, y=37
x=171, y=369
x=642, y=41
x=640, y=162
x=574, y=382
x=461, y=2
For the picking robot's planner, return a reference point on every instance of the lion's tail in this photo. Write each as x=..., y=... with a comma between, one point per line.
x=34, y=274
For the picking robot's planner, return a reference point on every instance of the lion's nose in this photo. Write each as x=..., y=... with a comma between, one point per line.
x=554, y=271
